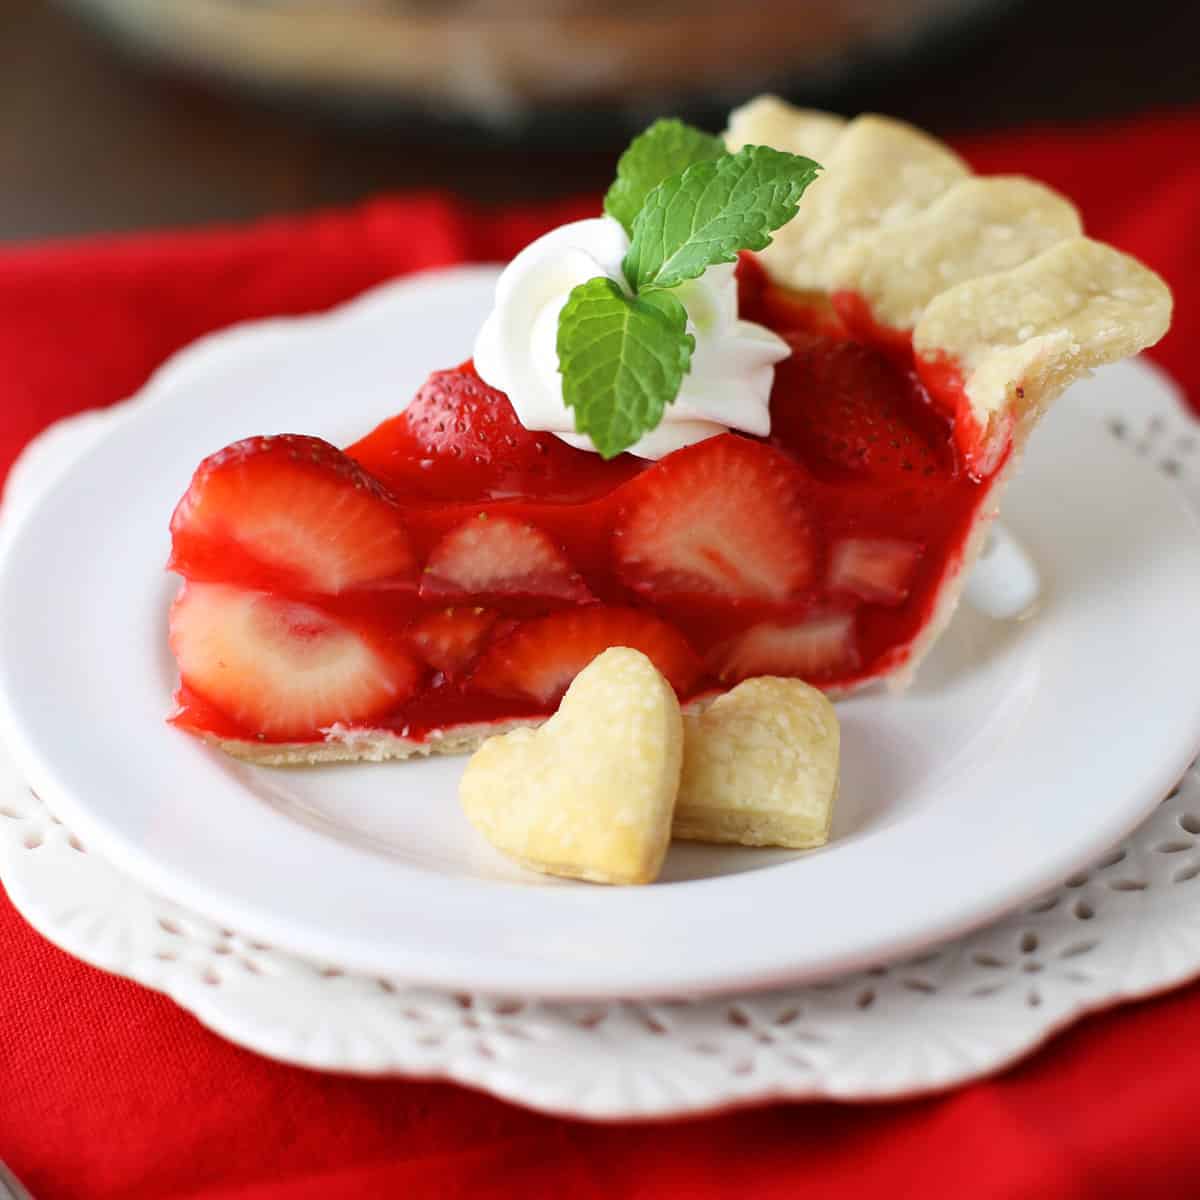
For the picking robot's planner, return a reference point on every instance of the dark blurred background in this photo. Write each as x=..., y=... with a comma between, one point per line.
x=123, y=114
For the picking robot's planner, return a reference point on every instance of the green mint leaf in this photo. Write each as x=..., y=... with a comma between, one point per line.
x=667, y=148
x=713, y=210
x=622, y=360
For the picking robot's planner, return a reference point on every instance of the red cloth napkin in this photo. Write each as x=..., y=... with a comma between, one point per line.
x=107, y=1090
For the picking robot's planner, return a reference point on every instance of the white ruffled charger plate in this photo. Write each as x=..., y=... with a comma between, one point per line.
x=1016, y=760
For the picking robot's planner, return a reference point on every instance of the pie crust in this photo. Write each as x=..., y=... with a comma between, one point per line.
x=991, y=274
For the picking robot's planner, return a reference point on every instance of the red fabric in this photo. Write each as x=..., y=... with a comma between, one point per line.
x=107, y=1090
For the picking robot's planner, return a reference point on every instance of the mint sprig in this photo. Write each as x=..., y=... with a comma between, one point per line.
x=623, y=359
x=687, y=205
x=667, y=148
x=710, y=212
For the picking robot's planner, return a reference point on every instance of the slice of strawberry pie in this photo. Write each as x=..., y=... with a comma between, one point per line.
x=740, y=464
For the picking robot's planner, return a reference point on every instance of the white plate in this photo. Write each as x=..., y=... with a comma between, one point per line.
x=1023, y=752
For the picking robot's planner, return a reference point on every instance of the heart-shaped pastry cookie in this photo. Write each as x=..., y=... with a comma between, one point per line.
x=760, y=767
x=591, y=793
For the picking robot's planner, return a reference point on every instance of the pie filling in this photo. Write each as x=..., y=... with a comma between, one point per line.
x=454, y=569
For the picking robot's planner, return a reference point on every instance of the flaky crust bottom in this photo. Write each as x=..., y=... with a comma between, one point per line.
x=382, y=745
x=374, y=745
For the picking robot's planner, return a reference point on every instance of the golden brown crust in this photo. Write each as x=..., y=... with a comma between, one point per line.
x=343, y=745
x=989, y=272
x=366, y=745
x=1021, y=337
x=977, y=227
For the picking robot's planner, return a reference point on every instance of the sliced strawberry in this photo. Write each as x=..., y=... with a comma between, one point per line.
x=280, y=668
x=817, y=648
x=499, y=556
x=289, y=513
x=723, y=516
x=538, y=660
x=450, y=639
x=879, y=570
x=844, y=405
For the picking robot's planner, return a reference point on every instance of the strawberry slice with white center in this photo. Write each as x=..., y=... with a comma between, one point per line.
x=538, y=660
x=289, y=513
x=279, y=667
x=878, y=570
x=723, y=516
x=811, y=649
x=499, y=556
x=451, y=639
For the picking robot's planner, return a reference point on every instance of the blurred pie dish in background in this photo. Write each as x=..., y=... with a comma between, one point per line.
x=505, y=62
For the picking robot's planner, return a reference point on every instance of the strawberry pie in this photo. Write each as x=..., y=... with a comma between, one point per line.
x=754, y=420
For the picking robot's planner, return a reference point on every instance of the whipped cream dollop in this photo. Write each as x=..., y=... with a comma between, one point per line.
x=733, y=365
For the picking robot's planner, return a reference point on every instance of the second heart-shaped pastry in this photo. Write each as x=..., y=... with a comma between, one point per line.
x=761, y=767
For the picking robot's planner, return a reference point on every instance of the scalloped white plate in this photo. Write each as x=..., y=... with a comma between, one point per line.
x=1024, y=751
x=1126, y=928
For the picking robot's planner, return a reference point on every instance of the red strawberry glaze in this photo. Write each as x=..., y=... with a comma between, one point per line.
x=860, y=324
x=865, y=450
x=979, y=449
